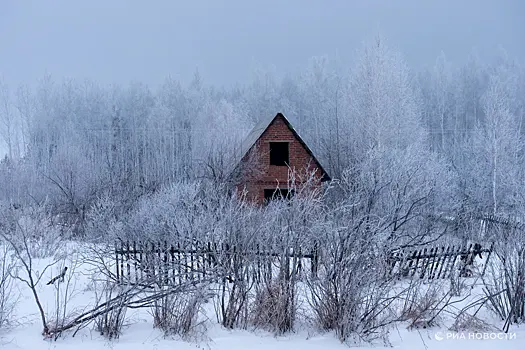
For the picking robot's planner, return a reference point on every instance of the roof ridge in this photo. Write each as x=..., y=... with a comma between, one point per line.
x=259, y=129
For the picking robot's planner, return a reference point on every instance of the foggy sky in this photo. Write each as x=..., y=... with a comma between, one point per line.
x=124, y=40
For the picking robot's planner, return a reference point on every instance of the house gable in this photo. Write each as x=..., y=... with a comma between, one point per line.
x=270, y=152
x=279, y=129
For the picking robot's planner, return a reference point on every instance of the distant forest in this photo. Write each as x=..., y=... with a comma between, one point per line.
x=445, y=139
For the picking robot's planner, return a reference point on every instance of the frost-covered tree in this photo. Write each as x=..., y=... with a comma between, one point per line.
x=373, y=120
x=8, y=123
x=383, y=111
x=494, y=177
x=436, y=89
x=323, y=104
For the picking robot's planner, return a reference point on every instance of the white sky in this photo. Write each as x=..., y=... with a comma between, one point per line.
x=123, y=40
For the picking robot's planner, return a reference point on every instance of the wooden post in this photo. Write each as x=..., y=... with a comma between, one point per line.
x=488, y=257
x=435, y=262
x=407, y=266
x=143, y=264
x=443, y=263
x=154, y=265
x=453, y=261
x=217, y=258
x=299, y=256
x=173, y=272
x=209, y=255
x=194, y=255
x=424, y=262
x=117, y=262
x=432, y=259
x=165, y=261
x=416, y=263
x=392, y=260
x=121, y=253
x=463, y=260
x=128, y=267
x=258, y=264
x=179, y=262
x=159, y=263
x=234, y=260
x=135, y=261
x=451, y=250
x=186, y=264
x=315, y=259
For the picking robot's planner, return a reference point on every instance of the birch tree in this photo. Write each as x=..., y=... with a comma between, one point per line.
x=8, y=127
x=441, y=106
x=383, y=107
x=497, y=148
x=322, y=104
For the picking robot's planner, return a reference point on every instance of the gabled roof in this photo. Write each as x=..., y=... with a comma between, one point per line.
x=261, y=127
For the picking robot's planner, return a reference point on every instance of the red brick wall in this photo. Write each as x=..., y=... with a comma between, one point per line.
x=273, y=176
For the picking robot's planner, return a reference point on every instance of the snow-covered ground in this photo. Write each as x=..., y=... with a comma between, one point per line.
x=139, y=333
x=141, y=336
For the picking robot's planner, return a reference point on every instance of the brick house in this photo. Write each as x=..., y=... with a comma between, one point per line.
x=270, y=153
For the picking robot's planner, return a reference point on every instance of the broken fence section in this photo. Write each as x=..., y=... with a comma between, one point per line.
x=439, y=262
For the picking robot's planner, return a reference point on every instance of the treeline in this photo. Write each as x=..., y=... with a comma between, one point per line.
x=446, y=139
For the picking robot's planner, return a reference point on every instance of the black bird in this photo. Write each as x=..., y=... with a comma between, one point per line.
x=59, y=277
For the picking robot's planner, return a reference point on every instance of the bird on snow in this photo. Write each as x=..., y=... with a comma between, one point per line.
x=59, y=277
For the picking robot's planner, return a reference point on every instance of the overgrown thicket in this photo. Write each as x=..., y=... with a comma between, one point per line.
x=505, y=280
x=8, y=294
x=351, y=293
x=415, y=156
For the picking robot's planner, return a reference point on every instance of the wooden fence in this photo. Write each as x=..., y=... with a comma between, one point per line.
x=439, y=261
x=162, y=263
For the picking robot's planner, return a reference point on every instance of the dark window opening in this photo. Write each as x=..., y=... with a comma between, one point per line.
x=277, y=194
x=279, y=153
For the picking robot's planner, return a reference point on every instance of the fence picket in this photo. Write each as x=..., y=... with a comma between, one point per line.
x=128, y=270
x=117, y=263
x=164, y=263
x=179, y=267
x=434, y=265
x=424, y=264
